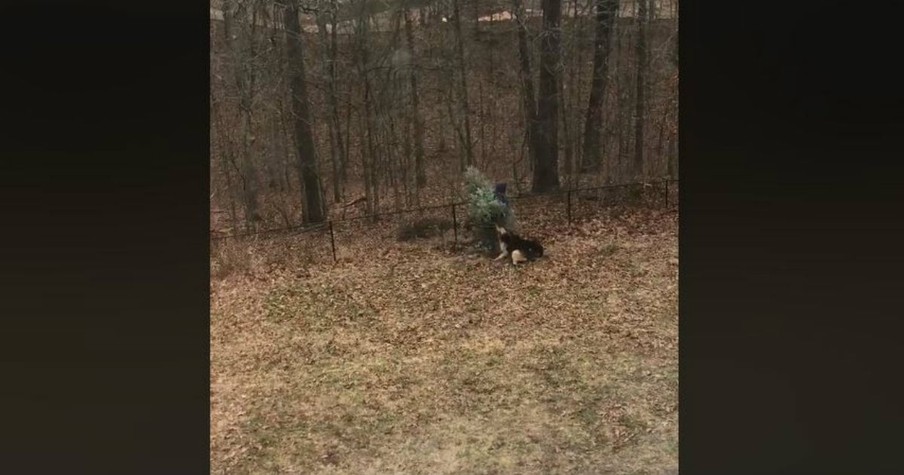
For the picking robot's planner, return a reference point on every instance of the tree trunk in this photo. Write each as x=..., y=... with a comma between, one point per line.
x=327, y=73
x=566, y=130
x=420, y=172
x=334, y=97
x=481, y=134
x=606, y=11
x=546, y=172
x=570, y=85
x=641, y=19
x=244, y=81
x=673, y=157
x=462, y=85
x=528, y=98
x=368, y=142
x=312, y=194
x=226, y=150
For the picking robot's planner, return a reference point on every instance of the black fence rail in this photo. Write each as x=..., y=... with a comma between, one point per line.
x=447, y=224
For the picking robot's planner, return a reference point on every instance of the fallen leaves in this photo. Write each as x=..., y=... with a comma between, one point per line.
x=417, y=340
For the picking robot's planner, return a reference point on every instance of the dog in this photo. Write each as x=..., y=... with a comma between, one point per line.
x=520, y=249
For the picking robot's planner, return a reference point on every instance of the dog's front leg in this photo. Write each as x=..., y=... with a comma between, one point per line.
x=504, y=251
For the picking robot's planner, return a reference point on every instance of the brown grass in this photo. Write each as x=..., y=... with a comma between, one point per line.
x=423, y=361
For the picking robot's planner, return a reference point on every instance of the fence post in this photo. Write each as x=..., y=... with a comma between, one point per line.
x=332, y=241
x=454, y=229
x=568, y=206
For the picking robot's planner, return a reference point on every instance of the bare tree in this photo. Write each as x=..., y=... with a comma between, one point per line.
x=368, y=143
x=546, y=171
x=673, y=131
x=639, y=116
x=528, y=99
x=464, y=108
x=395, y=64
x=418, y=121
x=241, y=45
x=334, y=59
x=606, y=11
x=226, y=154
x=312, y=193
x=327, y=15
x=574, y=46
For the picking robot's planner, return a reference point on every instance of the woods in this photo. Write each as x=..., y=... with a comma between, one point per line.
x=444, y=236
x=321, y=103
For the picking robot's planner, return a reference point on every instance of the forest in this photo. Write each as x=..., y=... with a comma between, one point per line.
x=367, y=107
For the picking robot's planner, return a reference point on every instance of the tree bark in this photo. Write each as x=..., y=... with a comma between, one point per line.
x=464, y=108
x=606, y=11
x=641, y=53
x=546, y=172
x=528, y=97
x=420, y=172
x=570, y=84
x=245, y=82
x=328, y=75
x=368, y=129
x=312, y=193
x=334, y=96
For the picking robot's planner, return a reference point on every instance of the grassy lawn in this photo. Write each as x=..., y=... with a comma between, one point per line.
x=426, y=361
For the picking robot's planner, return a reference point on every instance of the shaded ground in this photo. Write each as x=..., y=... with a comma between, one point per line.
x=421, y=361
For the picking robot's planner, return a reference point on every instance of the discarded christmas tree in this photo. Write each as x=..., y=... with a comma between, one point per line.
x=486, y=209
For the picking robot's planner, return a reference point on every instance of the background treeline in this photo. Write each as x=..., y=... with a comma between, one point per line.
x=328, y=106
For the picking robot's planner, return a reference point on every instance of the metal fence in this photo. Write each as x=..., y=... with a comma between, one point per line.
x=447, y=224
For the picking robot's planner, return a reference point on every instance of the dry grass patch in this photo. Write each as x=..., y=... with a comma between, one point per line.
x=424, y=362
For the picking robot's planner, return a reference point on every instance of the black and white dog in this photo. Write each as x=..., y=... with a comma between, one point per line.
x=521, y=250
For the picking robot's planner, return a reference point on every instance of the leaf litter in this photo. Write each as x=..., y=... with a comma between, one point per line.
x=422, y=360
